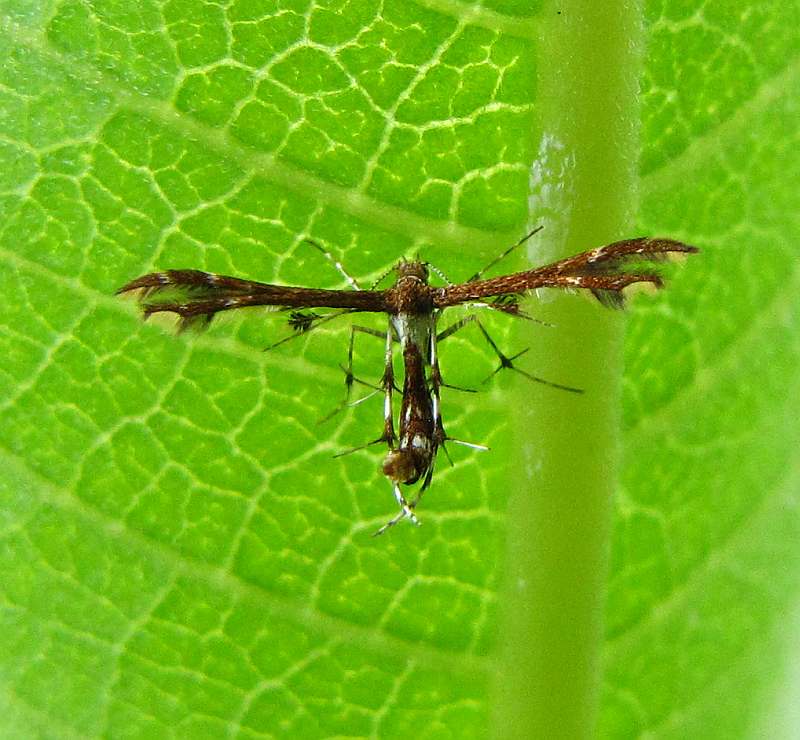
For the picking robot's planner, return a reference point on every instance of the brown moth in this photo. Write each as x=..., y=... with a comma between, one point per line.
x=413, y=307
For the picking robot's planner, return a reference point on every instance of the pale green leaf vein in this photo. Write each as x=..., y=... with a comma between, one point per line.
x=659, y=422
x=399, y=220
x=704, y=148
x=723, y=555
x=475, y=14
x=331, y=627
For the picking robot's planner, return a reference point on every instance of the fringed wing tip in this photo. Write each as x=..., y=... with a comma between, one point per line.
x=182, y=319
x=139, y=283
x=618, y=291
x=610, y=298
x=680, y=254
x=644, y=287
x=657, y=248
x=154, y=281
x=614, y=257
x=144, y=287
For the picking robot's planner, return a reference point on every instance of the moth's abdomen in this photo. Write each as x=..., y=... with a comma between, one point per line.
x=406, y=465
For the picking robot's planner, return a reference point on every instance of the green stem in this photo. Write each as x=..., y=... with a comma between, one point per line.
x=559, y=520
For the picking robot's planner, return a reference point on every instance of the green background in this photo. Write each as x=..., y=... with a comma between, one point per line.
x=179, y=554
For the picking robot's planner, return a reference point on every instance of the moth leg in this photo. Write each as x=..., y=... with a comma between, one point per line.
x=387, y=383
x=436, y=384
x=440, y=436
x=448, y=332
x=349, y=377
x=360, y=447
x=505, y=361
x=406, y=510
x=305, y=322
x=456, y=326
x=497, y=259
x=505, y=304
x=387, y=386
x=348, y=371
x=508, y=362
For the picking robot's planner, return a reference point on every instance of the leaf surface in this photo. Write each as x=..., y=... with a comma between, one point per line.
x=179, y=554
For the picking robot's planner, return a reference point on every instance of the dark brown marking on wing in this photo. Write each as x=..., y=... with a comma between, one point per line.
x=197, y=296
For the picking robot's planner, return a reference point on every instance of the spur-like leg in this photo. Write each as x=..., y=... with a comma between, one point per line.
x=349, y=378
x=387, y=382
x=387, y=386
x=406, y=510
x=506, y=362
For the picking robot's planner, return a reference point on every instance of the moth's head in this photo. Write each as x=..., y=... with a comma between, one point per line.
x=415, y=269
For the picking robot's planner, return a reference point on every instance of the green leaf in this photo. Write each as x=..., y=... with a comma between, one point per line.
x=179, y=553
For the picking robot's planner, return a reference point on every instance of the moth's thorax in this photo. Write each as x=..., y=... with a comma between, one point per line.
x=411, y=292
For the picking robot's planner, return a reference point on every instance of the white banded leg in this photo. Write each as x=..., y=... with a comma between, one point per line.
x=387, y=385
x=406, y=510
x=387, y=382
x=436, y=383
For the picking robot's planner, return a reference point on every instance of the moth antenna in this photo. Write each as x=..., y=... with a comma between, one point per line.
x=505, y=254
x=434, y=269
